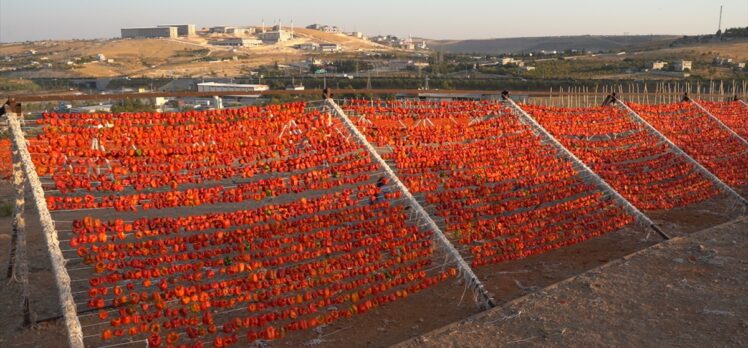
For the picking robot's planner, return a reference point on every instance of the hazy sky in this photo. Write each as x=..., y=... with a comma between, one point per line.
x=448, y=19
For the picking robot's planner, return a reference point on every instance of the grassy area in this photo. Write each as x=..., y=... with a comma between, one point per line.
x=17, y=85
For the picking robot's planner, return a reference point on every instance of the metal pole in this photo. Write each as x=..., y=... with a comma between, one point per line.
x=721, y=124
x=581, y=167
x=713, y=178
x=62, y=278
x=485, y=300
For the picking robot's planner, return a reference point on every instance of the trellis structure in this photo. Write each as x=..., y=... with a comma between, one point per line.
x=25, y=175
x=480, y=292
x=721, y=124
x=713, y=178
x=581, y=167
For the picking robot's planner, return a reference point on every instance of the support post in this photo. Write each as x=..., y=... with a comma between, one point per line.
x=484, y=299
x=701, y=169
x=62, y=278
x=581, y=167
x=21, y=266
x=721, y=124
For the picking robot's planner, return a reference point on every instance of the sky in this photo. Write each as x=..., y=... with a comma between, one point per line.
x=22, y=20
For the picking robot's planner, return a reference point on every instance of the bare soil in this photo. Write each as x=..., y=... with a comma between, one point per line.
x=686, y=292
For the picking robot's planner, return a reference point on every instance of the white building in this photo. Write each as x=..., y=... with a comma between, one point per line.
x=683, y=65
x=230, y=87
x=308, y=46
x=508, y=60
x=182, y=29
x=241, y=31
x=275, y=36
x=328, y=47
x=659, y=65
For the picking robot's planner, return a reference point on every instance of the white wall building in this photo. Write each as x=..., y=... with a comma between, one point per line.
x=683, y=65
x=230, y=87
x=328, y=47
x=659, y=65
x=182, y=29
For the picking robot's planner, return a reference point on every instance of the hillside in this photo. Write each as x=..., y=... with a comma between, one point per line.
x=180, y=57
x=550, y=43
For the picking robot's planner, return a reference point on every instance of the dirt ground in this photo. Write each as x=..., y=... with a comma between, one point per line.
x=686, y=292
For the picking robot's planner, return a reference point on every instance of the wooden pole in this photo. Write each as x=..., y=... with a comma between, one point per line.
x=21, y=269
x=62, y=278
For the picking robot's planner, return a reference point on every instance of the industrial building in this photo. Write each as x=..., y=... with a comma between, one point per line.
x=182, y=29
x=230, y=87
x=329, y=47
x=233, y=30
x=276, y=36
x=241, y=31
x=145, y=33
x=308, y=46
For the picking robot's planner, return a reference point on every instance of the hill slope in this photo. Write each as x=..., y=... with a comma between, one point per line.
x=550, y=43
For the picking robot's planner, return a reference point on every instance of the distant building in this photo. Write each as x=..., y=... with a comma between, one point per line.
x=741, y=65
x=308, y=46
x=722, y=61
x=146, y=33
x=508, y=60
x=230, y=87
x=241, y=31
x=528, y=68
x=220, y=29
x=182, y=29
x=237, y=42
x=331, y=29
x=328, y=47
x=295, y=87
x=659, y=65
x=314, y=27
x=357, y=34
x=100, y=57
x=91, y=109
x=275, y=36
x=683, y=65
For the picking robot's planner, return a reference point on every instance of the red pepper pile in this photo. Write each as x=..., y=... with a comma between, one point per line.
x=500, y=192
x=319, y=242
x=734, y=114
x=635, y=162
x=702, y=138
x=6, y=159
